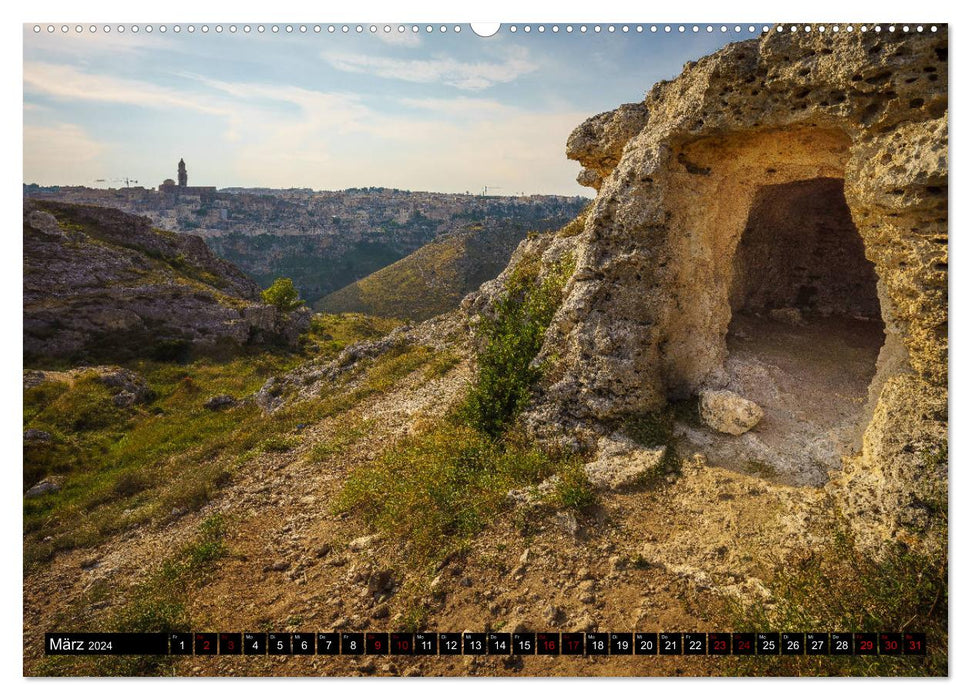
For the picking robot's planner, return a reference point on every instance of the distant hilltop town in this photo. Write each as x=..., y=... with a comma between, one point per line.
x=170, y=188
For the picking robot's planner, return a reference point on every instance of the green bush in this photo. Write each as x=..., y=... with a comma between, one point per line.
x=573, y=490
x=283, y=295
x=439, y=488
x=510, y=337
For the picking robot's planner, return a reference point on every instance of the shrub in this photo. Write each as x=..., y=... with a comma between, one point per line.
x=277, y=443
x=283, y=295
x=573, y=490
x=510, y=337
x=440, y=487
x=130, y=483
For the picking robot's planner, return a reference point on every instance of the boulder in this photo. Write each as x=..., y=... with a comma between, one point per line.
x=123, y=399
x=35, y=436
x=41, y=488
x=727, y=412
x=130, y=385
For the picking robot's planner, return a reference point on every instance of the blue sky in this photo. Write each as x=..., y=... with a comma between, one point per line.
x=442, y=112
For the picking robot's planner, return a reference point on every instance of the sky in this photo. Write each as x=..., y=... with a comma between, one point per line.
x=443, y=112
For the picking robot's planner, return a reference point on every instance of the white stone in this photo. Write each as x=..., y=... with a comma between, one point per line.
x=40, y=488
x=361, y=543
x=727, y=412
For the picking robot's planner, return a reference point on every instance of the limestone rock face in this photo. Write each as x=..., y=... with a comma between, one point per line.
x=102, y=284
x=645, y=315
x=727, y=412
x=599, y=142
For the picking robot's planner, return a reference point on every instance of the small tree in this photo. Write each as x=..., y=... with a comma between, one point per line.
x=283, y=295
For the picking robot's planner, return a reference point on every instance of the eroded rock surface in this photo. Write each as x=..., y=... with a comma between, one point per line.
x=100, y=283
x=621, y=462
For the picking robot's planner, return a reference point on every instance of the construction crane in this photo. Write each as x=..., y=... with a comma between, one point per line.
x=127, y=180
x=485, y=190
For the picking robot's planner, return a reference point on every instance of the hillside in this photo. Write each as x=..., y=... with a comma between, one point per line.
x=323, y=241
x=101, y=284
x=357, y=490
x=434, y=278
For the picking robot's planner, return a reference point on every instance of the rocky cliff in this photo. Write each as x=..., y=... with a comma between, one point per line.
x=102, y=284
x=833, y=143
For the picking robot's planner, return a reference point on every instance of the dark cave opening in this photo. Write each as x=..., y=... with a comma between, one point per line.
x=801, y=250
x=805, y=333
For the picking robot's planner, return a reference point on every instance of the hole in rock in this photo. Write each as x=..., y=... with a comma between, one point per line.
x=804, y=336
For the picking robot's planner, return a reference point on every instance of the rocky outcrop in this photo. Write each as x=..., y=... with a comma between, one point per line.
x=861, y=118
x=439, y=334
x=126, y=387
x=220, y=402
x=599, y=142
x=42, y=488
x=102, y=284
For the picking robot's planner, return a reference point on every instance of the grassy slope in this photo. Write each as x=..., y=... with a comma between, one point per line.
x=122, y=467
x=433, y=279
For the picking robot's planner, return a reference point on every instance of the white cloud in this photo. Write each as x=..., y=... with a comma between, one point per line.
x=281, y=135
x=68, y=83
x=466, y=107
x=449, y=71
x=86, y=45
x=333, y=141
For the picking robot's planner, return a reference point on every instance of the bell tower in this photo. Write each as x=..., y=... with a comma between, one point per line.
x=183, y=174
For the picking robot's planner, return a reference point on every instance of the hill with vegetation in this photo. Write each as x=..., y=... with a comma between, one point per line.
x=546, y=457
x=434, y=278
x=380, y=477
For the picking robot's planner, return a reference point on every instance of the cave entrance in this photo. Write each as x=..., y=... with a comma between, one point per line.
x=804, y=335
x=800, y=250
